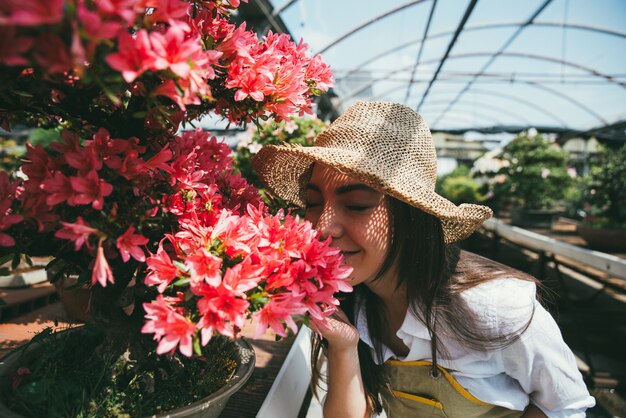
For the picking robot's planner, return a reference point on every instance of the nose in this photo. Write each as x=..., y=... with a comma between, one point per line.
x=329, y=223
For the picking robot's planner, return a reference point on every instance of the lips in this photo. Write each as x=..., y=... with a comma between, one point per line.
x=347, y=254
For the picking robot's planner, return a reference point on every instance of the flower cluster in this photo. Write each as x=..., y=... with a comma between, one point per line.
x=149, y=60
x=272, y=267
x=226, y=259
x=131, y=205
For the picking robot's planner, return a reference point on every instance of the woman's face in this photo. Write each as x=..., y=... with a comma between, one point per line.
x=354, y=215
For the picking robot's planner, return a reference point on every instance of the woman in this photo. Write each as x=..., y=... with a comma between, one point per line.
x=429, y=331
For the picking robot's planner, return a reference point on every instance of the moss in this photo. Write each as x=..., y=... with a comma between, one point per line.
x=88, y=374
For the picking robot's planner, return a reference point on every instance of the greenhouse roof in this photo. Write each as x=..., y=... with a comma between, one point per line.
x=483, y=65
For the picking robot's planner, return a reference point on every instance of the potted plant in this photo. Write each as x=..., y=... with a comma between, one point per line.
x=534, y=179
x=175, y=246
x=604, y=197
x=459, y=186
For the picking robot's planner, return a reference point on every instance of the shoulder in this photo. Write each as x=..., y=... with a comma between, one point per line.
x=501, y=305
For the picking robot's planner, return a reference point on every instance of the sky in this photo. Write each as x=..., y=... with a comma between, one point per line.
x=522, y=86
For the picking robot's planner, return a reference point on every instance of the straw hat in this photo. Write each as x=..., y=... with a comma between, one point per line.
x=385, y=145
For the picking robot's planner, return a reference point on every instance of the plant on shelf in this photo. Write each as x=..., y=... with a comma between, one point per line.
x=604, y=200
x=177, y=248
x=459, y=186
x=534, y=178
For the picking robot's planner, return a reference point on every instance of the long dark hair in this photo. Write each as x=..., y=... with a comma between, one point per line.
x=434, y=275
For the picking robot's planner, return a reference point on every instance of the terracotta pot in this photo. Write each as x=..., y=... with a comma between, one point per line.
x=603, y=239
x=75, y=300
x=209, y=407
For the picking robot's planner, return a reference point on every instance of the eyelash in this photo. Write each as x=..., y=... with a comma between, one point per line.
x=352, y=208
x=358, y=208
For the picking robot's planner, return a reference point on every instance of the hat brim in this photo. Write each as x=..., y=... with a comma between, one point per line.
x=286, y=170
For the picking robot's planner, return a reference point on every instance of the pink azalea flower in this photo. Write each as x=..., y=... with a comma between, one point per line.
x=7, y=219
x=249, y=83
x=213, y=322
x=320, y=73
x=165, y=10
x=12, y=47
x=33, y=12
x=78, y=232
x=101, y=272
x=243, y=276
x=221, y=310
x=162, y=270
x=170, y=328
x=90, y=189
x=52, y=54
x=206, y=267
x=59, y=188
x=278, y=311
x=177, y=51
x=234, y=232
x=95, y=26
x=129, y=245
x=135, y=56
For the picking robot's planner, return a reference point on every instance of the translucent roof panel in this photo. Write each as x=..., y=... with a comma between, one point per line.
x=472, y=64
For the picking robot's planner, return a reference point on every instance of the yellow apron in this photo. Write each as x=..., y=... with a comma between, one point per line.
x=414, y=392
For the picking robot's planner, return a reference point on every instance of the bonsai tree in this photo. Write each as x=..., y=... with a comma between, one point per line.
x=535, y=177
x=605, y=192
x=459, y=186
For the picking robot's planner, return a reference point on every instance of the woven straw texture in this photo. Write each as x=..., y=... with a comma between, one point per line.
x=385, y=145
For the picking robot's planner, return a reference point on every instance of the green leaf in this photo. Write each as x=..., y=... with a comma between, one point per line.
x=182, y=282
x=181, y=266
x=6, y=258
x=4, y=271
x=196, y=347
x=16, y=261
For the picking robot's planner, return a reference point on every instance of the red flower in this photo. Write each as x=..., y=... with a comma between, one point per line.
x=90, y=189
x=129, y=245
x=32, y=12
x=169, y=327
x=77, y=232
x=7, y=219
x=12, y=47
x=162, y=270
x=204, y=266
x=135, y=56
x=101, y=272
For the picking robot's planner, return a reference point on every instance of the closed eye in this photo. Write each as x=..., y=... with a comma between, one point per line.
x=355, y=208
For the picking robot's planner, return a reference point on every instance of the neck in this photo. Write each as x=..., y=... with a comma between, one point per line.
x=393, y=297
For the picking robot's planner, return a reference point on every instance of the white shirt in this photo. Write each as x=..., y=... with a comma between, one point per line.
x=539, y=367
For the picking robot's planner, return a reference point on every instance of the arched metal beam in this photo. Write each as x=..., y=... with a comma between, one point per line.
x=480, y=106
x=478, y=28
x=457, y=32
x=480, y=116
x=576, y=103
x=505, y=54
x=278, y=10
x=493, y=57
x=515, y=99
x=419, y=53
x=367, y=23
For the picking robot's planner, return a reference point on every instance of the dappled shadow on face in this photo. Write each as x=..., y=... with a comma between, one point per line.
x=355, y=216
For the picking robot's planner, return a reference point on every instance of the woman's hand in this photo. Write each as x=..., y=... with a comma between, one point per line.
x=346, y=395
x=340, y=333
